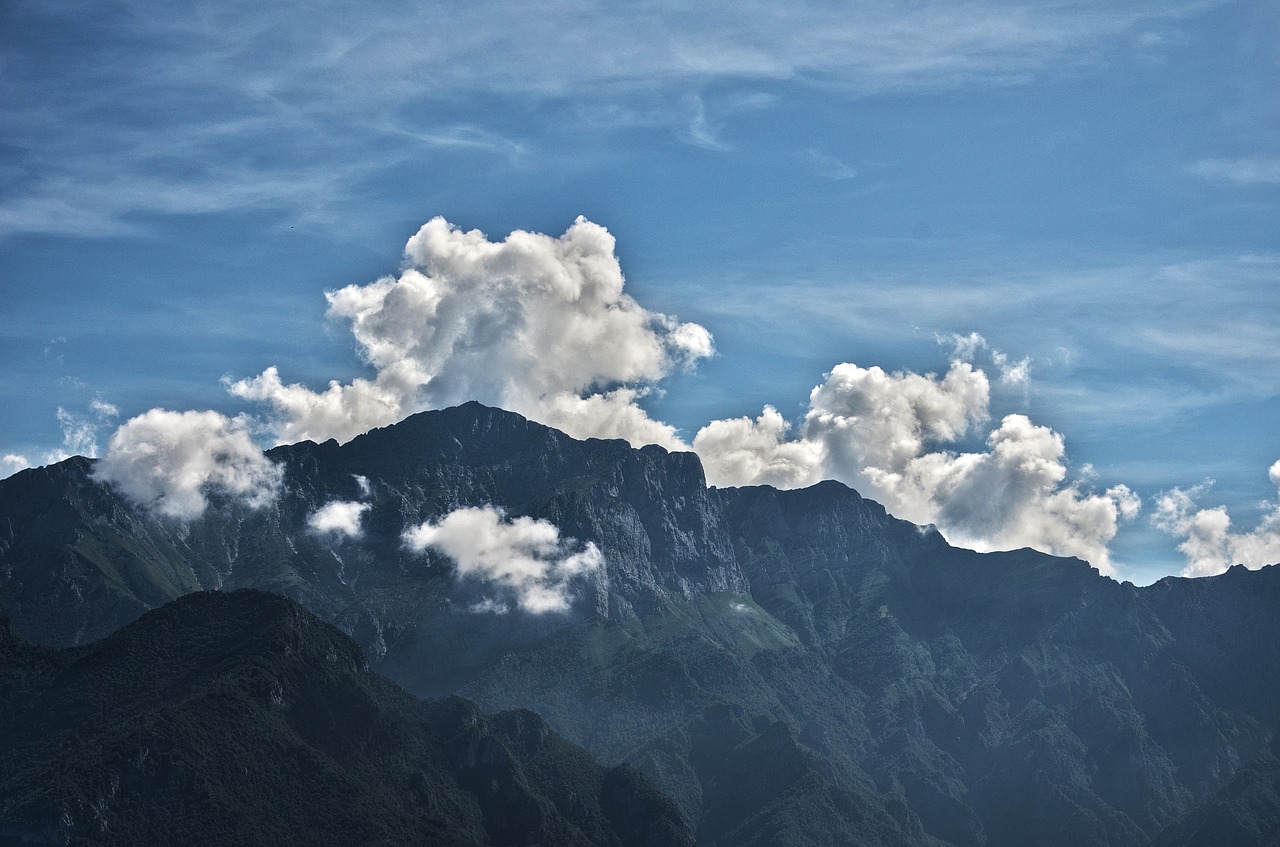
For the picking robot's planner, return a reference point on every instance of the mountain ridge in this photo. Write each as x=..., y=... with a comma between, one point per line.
x=926, y=694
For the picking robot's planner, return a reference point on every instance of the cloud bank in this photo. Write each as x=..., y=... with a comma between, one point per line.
x=534, y=324
x=1208, y=541
x=171, y=461
x=524, y=558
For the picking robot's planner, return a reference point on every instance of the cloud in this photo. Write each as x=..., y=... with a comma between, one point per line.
x=535, y=324
x=340, y=517
x=542, y=326
x=740, y=451
x=1239, y=171
x=830, y=166
x=366, y=487
x=171, y=461
x=876, y=432
x=967, y=347
x=865, y=417
x=79, y=436
x=1012, y=495
x=700, y=132
x=524, y=558
x=1208, y=542
x=11, y=463
x=1012, y=372
x=80, y=432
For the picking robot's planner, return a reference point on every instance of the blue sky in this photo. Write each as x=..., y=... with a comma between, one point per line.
x=1092, y=189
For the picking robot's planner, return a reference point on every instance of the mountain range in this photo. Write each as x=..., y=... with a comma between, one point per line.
x=789, y=667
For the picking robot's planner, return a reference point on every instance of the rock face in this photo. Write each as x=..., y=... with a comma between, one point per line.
x=242, y=719
x=793, y=667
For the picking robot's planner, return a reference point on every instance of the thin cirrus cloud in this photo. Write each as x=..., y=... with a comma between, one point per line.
x=524, y=559
x=233, y=105
x=1246, y=171
x=1165, y=337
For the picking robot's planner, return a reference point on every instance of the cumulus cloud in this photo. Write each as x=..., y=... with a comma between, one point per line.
x=879, y=432
x=339, y=517
x=1013, y=494
x=171, y=461
x=535, y=324
x=867, y=418
x=1208, y=541
x=742, y=451
x=526, y=559
x=966, y=348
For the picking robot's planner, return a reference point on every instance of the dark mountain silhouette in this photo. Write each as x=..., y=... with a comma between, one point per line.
x=793, y=667
x=242, y=719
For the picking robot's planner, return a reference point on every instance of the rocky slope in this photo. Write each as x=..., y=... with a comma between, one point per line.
x=242, y=719
x=793, y=667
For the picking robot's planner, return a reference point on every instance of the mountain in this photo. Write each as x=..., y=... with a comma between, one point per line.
x=792, y=667
x=242, y=719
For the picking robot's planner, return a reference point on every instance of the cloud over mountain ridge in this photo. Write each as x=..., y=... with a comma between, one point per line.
x=542, y=326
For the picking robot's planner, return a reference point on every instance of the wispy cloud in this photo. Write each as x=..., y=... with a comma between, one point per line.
x=1251, y=171
x=700, y=132
x=830, y=166
x=291, y=107
x=1159, y=337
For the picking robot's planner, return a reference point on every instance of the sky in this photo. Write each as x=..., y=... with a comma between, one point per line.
x=1012, y=269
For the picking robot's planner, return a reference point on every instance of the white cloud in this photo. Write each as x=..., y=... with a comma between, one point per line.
x=535, y=324
x=1208, y=542
x=340, y=517
x=740, y=451
x=80, y=432
x=11, y=463
x=104, y=410
x=366, y=487
x=170, y=461
x=79, y=436
x=1012, y=372
x=1012, y=495
x=865, y=417
x=874, y=431
x=967, y=347
x=1239, y=171
x=525, y=558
